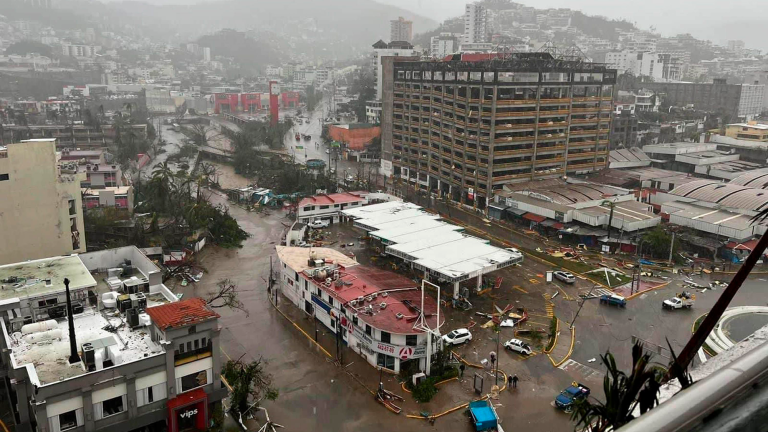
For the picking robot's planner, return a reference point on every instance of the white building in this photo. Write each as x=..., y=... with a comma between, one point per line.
x=751, y=100
x=392, y=49
x=373, y=112
x=637, y=63
x=367, y=305
x=475, y=23
x=80, y=50
x=443, y=45
x=206, y=54
x=329, y=207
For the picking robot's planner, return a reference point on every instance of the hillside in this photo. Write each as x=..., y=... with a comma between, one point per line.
x=252, y=54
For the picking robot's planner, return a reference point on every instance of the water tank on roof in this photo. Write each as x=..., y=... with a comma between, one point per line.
x=39, y=327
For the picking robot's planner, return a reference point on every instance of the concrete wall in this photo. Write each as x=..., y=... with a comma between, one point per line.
x=114, y=257
x=35, y=218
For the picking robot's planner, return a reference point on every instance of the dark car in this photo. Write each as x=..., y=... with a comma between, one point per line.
x=571, y=395
x=613, y=300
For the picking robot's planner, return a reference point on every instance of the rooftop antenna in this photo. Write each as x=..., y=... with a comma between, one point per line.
x=73, y=356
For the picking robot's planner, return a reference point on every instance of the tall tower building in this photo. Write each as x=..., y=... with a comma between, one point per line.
x=400, y=30
x=475, y=24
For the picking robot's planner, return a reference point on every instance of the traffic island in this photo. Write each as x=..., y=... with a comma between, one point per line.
x=563, y=345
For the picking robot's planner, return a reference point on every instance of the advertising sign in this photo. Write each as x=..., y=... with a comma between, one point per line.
x=403, y=352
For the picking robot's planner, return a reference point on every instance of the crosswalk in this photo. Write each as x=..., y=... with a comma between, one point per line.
x=594, y=293
x=549, y=306
x=583, y=371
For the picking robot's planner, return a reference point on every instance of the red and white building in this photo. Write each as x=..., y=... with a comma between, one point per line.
x=120, y=197
x=329, y=206
x=375, y=311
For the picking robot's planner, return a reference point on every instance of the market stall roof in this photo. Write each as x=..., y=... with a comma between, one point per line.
x=534, y=217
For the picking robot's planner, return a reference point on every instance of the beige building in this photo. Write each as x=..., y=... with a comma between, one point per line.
x=750, y=131
x=42, y=209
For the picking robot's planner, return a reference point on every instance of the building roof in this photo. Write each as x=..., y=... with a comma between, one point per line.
x=181, y=314
x=631, y=157
x=627, y=211
x=679, y=148
x=727, y=194
x=30, y=277
x=750, y=125
x=330, y=199
x=564, y=193
x=756, y=178
x=297, y=258
x=712, y=216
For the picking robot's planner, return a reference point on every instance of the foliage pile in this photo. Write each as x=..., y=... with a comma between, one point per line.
x=250, y=384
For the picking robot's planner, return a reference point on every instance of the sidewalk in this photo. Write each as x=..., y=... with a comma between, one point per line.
x=451, y=394
x=563, y=345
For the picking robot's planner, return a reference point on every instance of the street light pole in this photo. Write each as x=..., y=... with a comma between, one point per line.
x=581, y=306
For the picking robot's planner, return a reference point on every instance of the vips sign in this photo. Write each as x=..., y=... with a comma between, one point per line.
x=402, y=352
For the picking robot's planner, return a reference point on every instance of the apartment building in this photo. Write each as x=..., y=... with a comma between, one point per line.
x=443, y=44
x=135, y=359
x=401, y=30
x=382, y=50
x=751, y=131
x=475, y=24
x=42, y=206
x=466, y=128
x=737, y=100
x=637, y=63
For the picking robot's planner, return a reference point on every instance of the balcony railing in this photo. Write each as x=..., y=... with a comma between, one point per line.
x=506, y=102
x=502, y=140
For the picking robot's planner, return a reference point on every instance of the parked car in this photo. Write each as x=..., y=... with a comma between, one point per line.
x=319, y=223
x=517, y=252
x=565, y=276
x=613, y=300
x=457, y=336
x=519, y=346
x=679, y=301
x=570, y=395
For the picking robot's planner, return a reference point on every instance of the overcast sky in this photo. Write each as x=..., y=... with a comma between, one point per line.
x=716, y=20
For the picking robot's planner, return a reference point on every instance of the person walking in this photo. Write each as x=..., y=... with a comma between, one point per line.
x=493, y=359
x=461, y=370
x=514, y=381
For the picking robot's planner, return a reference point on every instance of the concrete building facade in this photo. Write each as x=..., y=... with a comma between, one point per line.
x=401, y=30
x=466, y=128
x=382, y=50
x=42, y=207
x=475, y=23
x=737, y=100
x=443, y=44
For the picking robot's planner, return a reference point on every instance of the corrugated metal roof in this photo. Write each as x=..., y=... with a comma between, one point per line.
x=727, y=194
x=757, y=179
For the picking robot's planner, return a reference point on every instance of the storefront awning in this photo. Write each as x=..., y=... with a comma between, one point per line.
x=515, y=211
x=534, y=217
x=552, y=224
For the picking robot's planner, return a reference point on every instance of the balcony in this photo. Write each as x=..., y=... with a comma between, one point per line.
x=194, y=355
x=502, y=140
x=541, y=150
x=515, y=114
x=549, y=172
x=583, y=132
x=511, y=177
x=581, y=144
x=512, y=152
x=540, y=162
x=561, y=101
x=576, y=156
x=587, y=99
x=507, y=102
x=585, y=110
x=583, y=121
x=553, y=113
x=572, y=167
x=511, y=126
x=553, y=125
x=511, y=164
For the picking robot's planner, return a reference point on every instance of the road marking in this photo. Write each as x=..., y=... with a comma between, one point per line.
x=520, y=289
x=571, y=365
x=533, y=281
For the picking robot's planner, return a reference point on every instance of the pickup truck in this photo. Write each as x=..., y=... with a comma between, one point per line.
x=572, y=394
x=682, y=300
x=613, y=300
x=319, y=223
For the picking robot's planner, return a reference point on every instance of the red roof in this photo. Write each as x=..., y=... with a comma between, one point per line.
x=363, y=281
x=747, y=245
x=534, y=217
x=181, y=313
x=337, y=198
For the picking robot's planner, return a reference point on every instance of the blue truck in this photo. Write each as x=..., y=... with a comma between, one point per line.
x=572, y=394
x=483, y=415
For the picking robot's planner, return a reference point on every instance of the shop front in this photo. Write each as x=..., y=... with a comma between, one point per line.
x=188, y=412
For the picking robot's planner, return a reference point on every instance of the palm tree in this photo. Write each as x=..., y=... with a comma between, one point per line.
x=623, y=393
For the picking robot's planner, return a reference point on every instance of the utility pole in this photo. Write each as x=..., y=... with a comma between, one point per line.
x=671, y=248
x=581, y=306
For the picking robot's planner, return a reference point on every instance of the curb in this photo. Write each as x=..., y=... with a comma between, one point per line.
x=461, y=359
x=557, y=333
x=653, y=288
x=458, y=407
x=302, y=331
x=570, y=350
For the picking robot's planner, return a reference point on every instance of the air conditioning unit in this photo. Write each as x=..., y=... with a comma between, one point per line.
x=399, y=315
x=360, y=299
x=383, y=305
x=369, y=309
x=385, y=294
x=369, y=298
x=353, y=303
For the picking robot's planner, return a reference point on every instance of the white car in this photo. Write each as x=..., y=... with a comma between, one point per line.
x=565, y=276
x=519, y=346
x=457, y=336
x=318, y=223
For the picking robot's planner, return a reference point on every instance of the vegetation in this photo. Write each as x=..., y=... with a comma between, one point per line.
x=250, y=384
x=600, y=27
x=441, y=371
x=623, y=393
x=251, y=54
x=657, y=243
x=313, y=98
x=226, y=295
x=552, y=333
x=364, y=87
x=26, y=46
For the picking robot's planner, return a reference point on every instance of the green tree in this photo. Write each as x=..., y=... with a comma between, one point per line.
x=250, y=383
x=623, y=393
x=658, y=242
